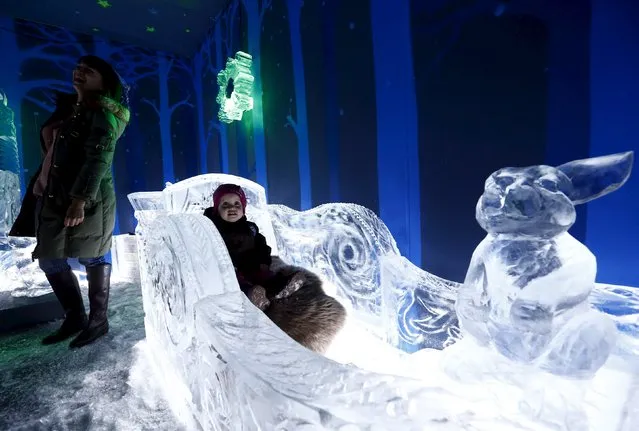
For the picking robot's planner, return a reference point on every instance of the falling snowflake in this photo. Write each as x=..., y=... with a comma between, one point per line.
x=153, y=11
x=341, y=111
x=351, y=25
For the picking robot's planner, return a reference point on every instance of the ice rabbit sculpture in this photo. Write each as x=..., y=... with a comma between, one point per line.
x=526, y=290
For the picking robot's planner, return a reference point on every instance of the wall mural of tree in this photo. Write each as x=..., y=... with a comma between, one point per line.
x=255, y=10
x=299, y=124
x=397, y=126
x=403, y=107
x=39, y=62
x=165, y=109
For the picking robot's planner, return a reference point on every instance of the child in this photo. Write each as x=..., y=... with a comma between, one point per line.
x=250, y=254
x=291, y=297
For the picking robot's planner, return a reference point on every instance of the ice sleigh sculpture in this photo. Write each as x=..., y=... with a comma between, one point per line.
x=222, y=357
x=226, y=366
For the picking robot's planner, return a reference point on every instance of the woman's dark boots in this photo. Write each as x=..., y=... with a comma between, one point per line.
x=99, y=279
x=67, y=290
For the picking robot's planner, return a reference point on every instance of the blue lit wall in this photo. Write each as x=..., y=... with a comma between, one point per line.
x=158, y=144
x=613, y=222
x=404, y=107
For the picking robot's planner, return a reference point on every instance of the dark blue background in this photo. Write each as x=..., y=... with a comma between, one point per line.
x=404, y=107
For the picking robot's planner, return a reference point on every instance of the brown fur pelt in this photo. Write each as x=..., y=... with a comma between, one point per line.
x=303, y=310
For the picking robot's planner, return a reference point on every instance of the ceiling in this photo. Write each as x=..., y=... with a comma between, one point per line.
x=175, y=26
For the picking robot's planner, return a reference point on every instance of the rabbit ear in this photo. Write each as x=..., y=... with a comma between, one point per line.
x=597, y=176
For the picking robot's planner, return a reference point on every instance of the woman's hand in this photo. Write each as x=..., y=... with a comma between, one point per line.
x=75, y=213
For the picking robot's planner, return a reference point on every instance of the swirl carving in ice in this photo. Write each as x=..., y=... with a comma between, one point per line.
x=343, y=242
x=526, y=291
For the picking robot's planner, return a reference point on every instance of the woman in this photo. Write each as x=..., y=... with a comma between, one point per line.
x=69, y=205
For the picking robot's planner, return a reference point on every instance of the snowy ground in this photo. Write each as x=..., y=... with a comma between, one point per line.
x=99, y=387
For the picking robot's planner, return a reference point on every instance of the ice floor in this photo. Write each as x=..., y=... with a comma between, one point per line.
x=101, y=387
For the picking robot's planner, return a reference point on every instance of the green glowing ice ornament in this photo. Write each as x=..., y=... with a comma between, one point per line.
x=236, y=86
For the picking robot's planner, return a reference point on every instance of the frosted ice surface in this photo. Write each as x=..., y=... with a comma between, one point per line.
x=418, y=308
x=124, y=258
x=8, y=143
x=526, y=291
x=18, y=273
x=9, y=200
x=342, y=242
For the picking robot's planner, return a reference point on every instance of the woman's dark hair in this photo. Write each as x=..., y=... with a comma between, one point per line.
x=112, y=86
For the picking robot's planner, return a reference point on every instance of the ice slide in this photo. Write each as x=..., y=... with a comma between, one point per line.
x=225, y=366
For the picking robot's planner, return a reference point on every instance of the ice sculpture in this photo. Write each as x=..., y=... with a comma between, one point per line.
x=236, y=86
x=13, y=252
x=418, y=308
x=224, y=365
x=124, y=258
x=9, y=168
x=9, y=200
x=199, y=325
x=526, y=291
x=8, y=142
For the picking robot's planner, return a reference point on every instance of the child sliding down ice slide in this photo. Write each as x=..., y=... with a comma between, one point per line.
x=292, y=297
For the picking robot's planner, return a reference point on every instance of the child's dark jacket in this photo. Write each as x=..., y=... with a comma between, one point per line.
x=250, y=254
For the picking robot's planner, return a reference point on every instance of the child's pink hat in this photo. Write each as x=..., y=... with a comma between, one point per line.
x=226, y=189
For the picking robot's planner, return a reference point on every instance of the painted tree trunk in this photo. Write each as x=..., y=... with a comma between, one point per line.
x=301, y=121
x=397, y=133
x=242, y=145
x=164, y=117
x=224, y=150
x=219, y=63
x=254, y=26
x=103, y=50
x=331, y=104
x=199, y=109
